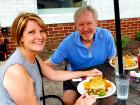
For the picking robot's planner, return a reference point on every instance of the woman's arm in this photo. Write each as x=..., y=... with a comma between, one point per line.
x=19, y=85
x=61, y=75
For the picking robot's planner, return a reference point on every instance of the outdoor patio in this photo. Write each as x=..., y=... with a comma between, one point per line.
x=56, y=88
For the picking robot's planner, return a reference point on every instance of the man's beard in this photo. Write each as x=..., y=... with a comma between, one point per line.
x=86, y=40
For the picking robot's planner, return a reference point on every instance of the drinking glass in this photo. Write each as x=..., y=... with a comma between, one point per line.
x=122, y=83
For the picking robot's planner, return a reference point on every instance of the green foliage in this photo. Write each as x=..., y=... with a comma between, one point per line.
x=125, y=41
x=138, y=35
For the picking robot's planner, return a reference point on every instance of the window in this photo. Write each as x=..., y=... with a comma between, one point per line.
x=59, y=3
x=52, y=11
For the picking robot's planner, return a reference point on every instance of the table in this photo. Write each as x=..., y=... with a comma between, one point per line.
x=134, y=88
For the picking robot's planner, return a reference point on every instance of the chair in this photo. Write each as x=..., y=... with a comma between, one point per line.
x=52, y=99
x=45, y=97
x=3, y=56
x=66, y=64
x=3, y=51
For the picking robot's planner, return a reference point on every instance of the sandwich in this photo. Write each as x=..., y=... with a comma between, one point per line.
x=97, y=86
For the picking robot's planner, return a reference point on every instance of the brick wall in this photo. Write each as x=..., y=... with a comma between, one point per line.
x=57, y=32
x=11, y=44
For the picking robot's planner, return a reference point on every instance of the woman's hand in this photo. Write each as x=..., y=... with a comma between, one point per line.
x=94, y=73
x=86, y=99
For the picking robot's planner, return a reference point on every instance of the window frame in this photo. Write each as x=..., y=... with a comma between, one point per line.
x=59, y=17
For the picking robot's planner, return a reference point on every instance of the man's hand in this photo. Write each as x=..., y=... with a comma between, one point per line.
x=94, y=73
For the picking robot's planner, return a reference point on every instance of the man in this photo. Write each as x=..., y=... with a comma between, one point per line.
x=86, y=47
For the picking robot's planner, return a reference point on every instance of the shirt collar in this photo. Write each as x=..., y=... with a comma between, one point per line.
x=97, y=36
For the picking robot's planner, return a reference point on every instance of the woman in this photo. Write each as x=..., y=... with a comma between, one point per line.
x=20, y=80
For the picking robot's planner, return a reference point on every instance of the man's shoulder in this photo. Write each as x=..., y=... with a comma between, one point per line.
x=71, y=36
x=100, y=29
x=69, y=40
x=103, y=32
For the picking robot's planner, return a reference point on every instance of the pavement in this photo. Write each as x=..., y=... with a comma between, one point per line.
x=53, y=88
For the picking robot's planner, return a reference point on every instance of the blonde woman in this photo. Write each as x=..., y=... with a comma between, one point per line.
x=20, y=80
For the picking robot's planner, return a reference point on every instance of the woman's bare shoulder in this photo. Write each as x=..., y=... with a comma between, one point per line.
x=16, y=74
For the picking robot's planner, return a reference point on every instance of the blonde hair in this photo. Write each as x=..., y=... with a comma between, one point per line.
x=20, y=23
x=83, y=9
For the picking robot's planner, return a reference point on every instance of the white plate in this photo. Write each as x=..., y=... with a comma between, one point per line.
x=135, y=67
x=110, y=92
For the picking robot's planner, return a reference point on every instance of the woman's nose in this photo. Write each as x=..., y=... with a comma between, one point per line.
x=39, y=35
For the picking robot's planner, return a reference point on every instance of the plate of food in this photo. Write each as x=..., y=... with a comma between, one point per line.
x=130, y=62
x=97, y=86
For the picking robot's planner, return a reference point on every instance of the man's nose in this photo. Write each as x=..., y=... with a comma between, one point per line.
x=85, y=28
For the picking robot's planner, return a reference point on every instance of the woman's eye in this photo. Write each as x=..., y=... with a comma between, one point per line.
x=31, y=32
x=43, y=31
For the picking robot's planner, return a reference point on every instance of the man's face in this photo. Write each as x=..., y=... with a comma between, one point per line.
x=86, y=25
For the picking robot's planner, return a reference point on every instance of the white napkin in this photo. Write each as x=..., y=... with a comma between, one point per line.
x=77, y=79
x=134, y=74
x=81, y=79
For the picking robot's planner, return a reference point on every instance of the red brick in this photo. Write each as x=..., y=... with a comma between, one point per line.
x=1, y=40
x=57, y=32
x=69, y=28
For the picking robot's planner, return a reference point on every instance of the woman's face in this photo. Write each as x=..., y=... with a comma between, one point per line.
x=34, y=37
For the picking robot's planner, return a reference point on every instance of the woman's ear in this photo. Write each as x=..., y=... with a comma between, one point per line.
x=22, y=40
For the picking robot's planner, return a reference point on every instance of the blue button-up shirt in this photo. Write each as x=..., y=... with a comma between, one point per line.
x=79, y=56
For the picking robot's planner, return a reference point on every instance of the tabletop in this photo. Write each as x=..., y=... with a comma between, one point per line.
x=134, y=87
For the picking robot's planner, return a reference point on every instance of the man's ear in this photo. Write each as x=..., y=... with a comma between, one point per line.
x=96, y=21
x=75, y=25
